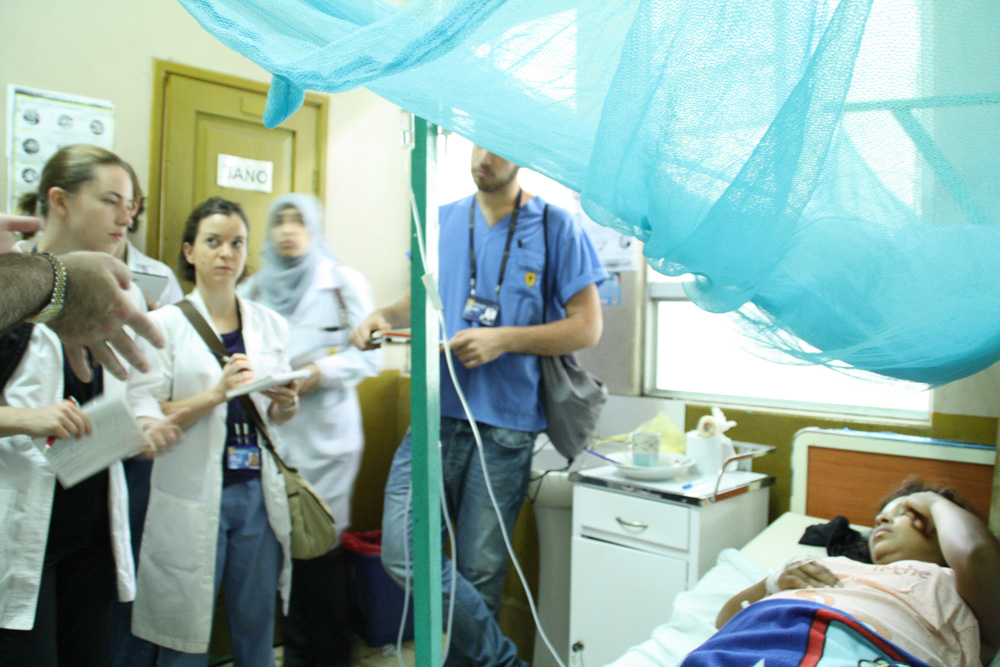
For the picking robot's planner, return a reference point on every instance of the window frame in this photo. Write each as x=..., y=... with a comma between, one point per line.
x=672, y=290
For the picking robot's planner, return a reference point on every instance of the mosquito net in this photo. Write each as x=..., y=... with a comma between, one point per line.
x=828, y=170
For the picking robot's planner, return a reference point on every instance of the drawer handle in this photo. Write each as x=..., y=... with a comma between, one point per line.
x=632, y=524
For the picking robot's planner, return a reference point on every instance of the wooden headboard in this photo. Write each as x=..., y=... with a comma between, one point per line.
x=848, y=472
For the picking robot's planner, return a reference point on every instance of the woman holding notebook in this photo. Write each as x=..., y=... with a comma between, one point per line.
x=64, y=551
x=218, y=512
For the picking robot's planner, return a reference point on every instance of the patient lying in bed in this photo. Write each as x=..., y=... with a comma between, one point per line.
x=932, y=597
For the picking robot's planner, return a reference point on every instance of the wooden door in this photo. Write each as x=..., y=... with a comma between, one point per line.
x=202, y=115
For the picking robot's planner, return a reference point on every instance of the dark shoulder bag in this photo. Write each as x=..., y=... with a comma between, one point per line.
x=313, y=529
x=571, y=397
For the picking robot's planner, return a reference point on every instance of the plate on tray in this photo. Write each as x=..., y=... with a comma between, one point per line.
x=672, y=465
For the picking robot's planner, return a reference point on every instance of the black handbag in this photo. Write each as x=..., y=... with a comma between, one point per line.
x=571, y=396
x=314, y=531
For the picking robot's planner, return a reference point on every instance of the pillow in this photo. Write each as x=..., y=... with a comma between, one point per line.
x=693, y=618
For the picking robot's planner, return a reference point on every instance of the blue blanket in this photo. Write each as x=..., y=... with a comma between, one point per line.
x=793, y=633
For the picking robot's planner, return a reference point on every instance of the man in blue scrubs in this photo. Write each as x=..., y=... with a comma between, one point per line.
x=494, y=283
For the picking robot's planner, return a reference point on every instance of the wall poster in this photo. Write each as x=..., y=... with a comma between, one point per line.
x=40, y=122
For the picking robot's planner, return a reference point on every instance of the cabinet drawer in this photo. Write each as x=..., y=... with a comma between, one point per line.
x=608, y=515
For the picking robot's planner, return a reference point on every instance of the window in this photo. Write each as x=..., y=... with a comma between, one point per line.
x=701, y=356
x=696, y=355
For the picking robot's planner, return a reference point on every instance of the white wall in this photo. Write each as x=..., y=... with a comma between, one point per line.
x=106, y=50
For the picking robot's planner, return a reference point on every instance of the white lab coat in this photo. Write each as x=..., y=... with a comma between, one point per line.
x=27, y=486
x=138, y=261
x=325, y=439
x=176, y=580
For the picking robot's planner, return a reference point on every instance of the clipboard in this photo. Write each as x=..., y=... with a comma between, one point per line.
x=266, y=382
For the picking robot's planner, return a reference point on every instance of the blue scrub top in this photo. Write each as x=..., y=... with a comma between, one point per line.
x=504, y=392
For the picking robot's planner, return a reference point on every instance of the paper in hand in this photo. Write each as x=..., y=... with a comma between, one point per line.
x=266, y=382
x=115, y=436
x=152, y=285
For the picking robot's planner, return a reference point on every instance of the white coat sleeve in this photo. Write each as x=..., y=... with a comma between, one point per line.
x=350, y=366
x=147, y=390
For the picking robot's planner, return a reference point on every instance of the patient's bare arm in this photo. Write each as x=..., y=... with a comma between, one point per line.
x=972, y=551
x=796, y=574
x=736, y=603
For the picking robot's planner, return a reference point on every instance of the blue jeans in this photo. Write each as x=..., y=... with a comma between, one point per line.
x=482, y=557
x=248, y=560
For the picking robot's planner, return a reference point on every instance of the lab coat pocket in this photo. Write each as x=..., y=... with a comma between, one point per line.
x=7, y=499
x=178, y=531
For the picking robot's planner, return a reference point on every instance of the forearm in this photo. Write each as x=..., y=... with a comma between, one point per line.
x=580, y=329
x=25, y=287
x=197, y=405
x=348, y=367
x=397, y=314
x=280, y=415
x=973, y=552
x=11, y=420
x=736, y=603
x=551, y=339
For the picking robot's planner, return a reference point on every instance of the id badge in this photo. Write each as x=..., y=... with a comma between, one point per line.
x=481, y=310
x=242, y=457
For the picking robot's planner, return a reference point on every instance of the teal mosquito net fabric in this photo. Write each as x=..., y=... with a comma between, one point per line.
x=830, y=171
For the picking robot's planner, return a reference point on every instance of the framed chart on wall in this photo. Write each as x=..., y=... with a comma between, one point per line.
x=40, y=122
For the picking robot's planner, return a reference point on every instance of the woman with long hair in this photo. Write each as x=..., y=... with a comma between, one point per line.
x=65, y=554
x=218, y=512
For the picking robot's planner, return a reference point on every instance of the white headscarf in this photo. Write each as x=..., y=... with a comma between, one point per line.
x=282, y=281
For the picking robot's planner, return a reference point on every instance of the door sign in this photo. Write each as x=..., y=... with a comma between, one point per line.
x=244, y=174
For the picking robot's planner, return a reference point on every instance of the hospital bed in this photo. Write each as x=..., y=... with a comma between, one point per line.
x=834, y=472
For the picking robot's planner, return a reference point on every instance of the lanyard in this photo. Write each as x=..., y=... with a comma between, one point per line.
x=506, y=248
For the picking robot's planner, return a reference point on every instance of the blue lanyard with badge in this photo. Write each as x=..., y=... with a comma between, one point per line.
x=477, y=309
x=243, y=454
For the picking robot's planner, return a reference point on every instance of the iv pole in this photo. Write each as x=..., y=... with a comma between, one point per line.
x=425, y=404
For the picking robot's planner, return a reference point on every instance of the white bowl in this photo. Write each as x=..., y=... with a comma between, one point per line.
x=672, y=465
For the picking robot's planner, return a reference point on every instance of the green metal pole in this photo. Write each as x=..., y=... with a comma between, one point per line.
x=425, y=406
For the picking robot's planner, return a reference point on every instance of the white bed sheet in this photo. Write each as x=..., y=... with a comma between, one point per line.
x=692, y=620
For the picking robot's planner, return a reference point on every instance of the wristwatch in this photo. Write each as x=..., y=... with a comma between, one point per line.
x=55, y=304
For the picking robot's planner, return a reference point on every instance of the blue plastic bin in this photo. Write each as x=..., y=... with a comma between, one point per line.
x=376, y=600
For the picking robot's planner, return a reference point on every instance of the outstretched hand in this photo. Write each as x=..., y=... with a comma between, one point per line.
x=96, y=310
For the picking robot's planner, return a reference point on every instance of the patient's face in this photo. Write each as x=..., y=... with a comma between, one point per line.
x=896, y=538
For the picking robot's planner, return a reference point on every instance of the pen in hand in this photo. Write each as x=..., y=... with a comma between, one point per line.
x=51, y=439
x=223, y=357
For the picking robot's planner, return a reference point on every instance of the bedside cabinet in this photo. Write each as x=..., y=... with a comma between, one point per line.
x=636, y=545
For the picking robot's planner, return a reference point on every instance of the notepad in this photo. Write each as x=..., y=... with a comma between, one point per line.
x=116, y=435
x=152, y=285
x=266, y=382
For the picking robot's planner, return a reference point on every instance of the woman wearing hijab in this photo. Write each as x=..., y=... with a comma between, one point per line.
x=322, y=302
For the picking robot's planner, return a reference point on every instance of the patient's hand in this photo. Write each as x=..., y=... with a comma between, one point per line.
x=802, y=573
x=918, y=507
